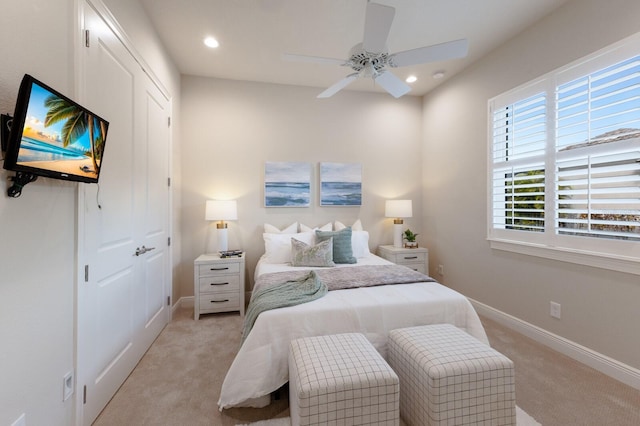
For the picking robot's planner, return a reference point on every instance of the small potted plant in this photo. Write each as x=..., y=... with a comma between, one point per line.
x=410, y=238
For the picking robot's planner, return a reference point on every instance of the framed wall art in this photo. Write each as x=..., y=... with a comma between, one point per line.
x=340, y=184
x=287, y=184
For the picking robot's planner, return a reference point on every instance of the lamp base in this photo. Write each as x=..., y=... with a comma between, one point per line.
x=397, y=234
x=223, y=241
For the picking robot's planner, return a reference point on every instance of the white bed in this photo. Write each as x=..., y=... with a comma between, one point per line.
x=260, y=367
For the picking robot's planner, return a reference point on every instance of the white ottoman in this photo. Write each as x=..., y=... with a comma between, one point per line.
x=341, y=380
x=447, y=377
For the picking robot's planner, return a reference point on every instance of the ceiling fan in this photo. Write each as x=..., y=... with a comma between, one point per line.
x=370, y=58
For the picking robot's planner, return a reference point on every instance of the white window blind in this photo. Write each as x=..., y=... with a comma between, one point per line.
x=599, y=107
x=599, y=195
x=567, y=171
x=518, y=198
x=598, y=179
x=519, y=129
x=519, y=138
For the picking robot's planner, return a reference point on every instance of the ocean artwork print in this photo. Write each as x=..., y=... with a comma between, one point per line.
x=287, y=184
x=340, y=184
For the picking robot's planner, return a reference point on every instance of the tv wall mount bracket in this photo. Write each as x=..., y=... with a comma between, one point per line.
x=19, y=181
x=21, y=178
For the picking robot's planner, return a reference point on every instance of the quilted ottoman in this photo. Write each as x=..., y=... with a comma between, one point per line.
x=447, y=377
x=341, y=380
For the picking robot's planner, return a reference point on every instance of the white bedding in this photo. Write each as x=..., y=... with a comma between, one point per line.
x=261, y=367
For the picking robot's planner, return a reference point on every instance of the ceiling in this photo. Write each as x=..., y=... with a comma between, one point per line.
x=254, y=34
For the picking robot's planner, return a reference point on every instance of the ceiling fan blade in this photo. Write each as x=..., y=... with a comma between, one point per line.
x=338, y=86
x=437, y=52
x=377, y=24
x=392, y=84
x=313, y=59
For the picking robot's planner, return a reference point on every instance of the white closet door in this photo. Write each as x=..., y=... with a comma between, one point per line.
x=123, y=226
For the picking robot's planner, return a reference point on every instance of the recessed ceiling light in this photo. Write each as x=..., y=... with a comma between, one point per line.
x=211, y=42
x=438, y=74
x=411, y=79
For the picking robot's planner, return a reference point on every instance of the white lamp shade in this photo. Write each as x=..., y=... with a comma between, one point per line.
x=221, y=210
x=398, y=208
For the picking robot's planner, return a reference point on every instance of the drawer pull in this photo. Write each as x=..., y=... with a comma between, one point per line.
x=218, y=283
x=219, y=269
x=219, y=301
x=410, y=257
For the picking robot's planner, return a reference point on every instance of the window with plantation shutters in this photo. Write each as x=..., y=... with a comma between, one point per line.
x=564, y=162
x=519, y=137
x=598, y=169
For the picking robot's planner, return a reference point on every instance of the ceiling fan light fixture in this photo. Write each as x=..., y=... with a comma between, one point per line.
x=211, y=42
x=411, y=79
x=370, y=59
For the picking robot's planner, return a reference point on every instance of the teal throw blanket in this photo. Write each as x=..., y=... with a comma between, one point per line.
x=288, y=293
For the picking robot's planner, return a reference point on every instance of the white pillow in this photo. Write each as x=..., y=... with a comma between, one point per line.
x=305, y=228
x=291, y=229
x=357, y=226
x=360, y=244
x=277, y=247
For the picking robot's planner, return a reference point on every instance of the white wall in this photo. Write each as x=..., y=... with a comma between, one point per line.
x=37, y=230
x=231, y=128
x=599, y=307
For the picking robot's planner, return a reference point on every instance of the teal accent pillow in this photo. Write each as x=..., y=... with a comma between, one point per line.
x=342, y=250
x=302, y=254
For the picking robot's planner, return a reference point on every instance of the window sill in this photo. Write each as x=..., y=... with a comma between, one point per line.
x=630, y=265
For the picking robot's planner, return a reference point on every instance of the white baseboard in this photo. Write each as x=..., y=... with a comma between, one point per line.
x=609, y=366
x=183, y=302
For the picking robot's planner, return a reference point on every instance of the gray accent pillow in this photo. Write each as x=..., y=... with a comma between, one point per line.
x=342, y=250
x=302, y=254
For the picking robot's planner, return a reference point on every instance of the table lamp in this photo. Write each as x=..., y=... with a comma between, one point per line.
x=398, y=209
x=221, y=210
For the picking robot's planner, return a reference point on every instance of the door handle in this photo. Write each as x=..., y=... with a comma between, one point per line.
x=142, y=250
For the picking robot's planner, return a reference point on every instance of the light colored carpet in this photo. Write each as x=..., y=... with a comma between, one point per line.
x=178, y=381
x=275, y=422
x=522, y=418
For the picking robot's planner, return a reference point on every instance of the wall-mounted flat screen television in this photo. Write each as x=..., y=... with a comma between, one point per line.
x=53, y=136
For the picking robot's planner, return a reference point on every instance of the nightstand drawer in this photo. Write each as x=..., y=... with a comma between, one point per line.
x=404, y=258
x=415, y=266
x=219, y=268
x=219, y=302
x=219, y=283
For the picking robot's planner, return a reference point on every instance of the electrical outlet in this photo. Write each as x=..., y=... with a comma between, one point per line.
x=555, y=310
x=67, y=386
x=441, y=269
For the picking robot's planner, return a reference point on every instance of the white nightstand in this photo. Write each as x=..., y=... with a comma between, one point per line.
x=218, y=284
x=415, y=258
